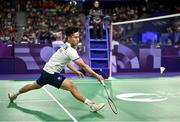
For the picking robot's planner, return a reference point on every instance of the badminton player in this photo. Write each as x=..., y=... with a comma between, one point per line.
x=51, y=71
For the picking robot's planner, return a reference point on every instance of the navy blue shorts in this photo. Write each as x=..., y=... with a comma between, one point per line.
x=52, y=79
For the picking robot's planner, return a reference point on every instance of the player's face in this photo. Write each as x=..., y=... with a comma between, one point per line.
x=74, y=39
x=96, y=4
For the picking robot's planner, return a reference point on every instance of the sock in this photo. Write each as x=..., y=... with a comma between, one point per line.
x=88, y=102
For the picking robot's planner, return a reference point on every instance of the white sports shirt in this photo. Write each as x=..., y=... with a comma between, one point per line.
x=61, y=58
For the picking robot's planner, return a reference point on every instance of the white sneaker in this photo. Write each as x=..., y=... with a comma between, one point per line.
x=96, y=106
x=12, y=96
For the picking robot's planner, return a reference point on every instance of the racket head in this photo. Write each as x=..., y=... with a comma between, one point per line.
x=112, y=105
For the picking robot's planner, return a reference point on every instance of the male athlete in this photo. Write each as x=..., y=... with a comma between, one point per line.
x=50, y=74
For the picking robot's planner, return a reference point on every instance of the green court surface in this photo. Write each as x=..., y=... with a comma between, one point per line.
x=139, y=99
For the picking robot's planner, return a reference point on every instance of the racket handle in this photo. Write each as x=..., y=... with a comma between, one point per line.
x=102, y=81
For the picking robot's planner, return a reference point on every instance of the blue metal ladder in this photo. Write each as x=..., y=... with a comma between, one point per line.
x=98, y=50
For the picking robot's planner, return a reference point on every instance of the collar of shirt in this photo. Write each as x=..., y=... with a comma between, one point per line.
x=67, y=43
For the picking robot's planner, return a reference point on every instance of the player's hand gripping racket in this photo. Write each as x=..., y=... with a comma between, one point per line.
x=110, y=102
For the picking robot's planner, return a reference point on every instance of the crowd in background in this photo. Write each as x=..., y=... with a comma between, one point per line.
x=43, y=17
x=7, y=22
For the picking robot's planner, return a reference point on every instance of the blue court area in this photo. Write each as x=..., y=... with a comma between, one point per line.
x=137, y=99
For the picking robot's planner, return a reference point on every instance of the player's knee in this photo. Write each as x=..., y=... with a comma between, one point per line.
x=72, y=87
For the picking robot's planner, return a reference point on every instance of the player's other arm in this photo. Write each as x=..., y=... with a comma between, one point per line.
x=84, y=66
x=72, y=68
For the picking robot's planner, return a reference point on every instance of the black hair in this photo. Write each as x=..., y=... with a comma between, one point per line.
x=96, y=1
x=70, y=31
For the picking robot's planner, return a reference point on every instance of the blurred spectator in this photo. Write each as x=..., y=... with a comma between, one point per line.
x=44, y=35
x=59, y=40
x=25, y=39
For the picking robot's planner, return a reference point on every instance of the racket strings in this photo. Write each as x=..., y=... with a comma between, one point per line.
x=112, y=106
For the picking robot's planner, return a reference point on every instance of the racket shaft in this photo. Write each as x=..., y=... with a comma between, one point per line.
x=106, y=91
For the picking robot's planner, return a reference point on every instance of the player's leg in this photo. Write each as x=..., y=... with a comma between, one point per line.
x=68, y=85
x=31, y=86
x=28, y=87
x=25, y=88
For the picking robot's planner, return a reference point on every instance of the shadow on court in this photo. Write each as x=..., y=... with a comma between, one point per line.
x=41, y=115
x=91, y=115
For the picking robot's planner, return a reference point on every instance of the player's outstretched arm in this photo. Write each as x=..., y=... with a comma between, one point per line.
x=83, y=65
x=72, y=68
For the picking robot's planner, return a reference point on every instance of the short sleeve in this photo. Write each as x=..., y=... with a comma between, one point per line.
x=72, y=53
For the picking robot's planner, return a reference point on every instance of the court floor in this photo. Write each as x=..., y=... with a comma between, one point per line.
x=137, y=99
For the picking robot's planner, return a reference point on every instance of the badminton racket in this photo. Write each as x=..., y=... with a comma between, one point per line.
x=110, y=101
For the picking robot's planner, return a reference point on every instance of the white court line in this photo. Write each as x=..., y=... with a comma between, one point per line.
x=8, y=86
x=70, y=115
x=26, y=100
